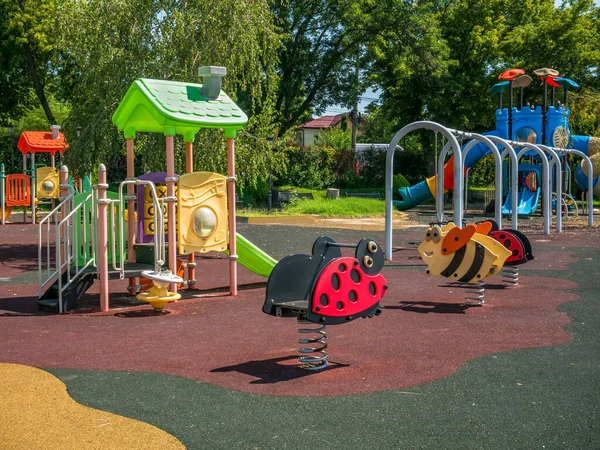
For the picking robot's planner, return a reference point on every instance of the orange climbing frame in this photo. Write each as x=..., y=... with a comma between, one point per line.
x=18, y=190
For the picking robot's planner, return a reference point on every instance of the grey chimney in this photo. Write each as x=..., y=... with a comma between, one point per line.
x=54, y=130
x=211, y=80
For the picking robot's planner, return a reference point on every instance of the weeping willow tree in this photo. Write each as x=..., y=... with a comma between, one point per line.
x=107, y=44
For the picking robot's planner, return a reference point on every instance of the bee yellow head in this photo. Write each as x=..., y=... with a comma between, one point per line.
x=430, y=249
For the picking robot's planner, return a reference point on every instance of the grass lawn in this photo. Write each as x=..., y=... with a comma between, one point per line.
x=342, y=207
x=322, y=206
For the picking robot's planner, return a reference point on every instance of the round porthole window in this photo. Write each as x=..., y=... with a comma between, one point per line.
x=204, y=221
x=48, y=186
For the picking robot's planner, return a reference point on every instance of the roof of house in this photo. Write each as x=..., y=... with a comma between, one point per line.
x=41, y=142
x=323, y=122
x=171, y=107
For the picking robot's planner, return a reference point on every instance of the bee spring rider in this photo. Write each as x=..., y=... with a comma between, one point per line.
x=326, y=288
x=470, y=254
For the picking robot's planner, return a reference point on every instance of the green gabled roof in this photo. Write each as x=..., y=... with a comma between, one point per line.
x=171, y=107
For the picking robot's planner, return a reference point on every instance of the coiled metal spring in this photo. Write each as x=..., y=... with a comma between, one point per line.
x=510, y=275
x=475, y=293
x=318, y=359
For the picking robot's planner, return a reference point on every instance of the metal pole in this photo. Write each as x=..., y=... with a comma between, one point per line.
x=558, y=188
x=545, y=181
x=102, y=234
x=476, y=139
x=25, y=172
x=189, y=167
x=232, y=216
x=514, y=175
x=544, y=112
x=389, y=174
x=131, y=225
x=64, y=193
x=521, y=91
x=2, y=191
x=510, y=109
x=590, y=189
x=170, y=180
x=439, y=184
x=33, y=188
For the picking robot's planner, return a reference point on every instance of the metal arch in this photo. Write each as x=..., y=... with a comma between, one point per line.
x=389, y=173
x=545, y=180
x=590, y=179
x=439, y=186
x=476, y=139
x=514, y=175
x=558, y=188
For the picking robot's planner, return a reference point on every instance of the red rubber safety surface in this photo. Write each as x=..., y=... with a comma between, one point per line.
x=350, y=298
x=422, y=335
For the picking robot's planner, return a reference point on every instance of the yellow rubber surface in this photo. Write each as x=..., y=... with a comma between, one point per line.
x=37, y=412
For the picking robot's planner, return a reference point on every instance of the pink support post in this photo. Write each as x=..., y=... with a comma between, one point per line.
x=232, y=218
x=63, y=179
x=171, y=208
x=131, y=225
x=189, y=167
x=33, y=188
x=102, y=234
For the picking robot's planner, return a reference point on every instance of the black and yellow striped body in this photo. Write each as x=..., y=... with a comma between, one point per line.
x=482, y=256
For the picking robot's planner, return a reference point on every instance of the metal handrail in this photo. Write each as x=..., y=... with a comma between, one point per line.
x=52, y=214
x=71, y=256
x=159, y=233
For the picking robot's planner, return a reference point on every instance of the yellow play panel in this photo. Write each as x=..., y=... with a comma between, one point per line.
x=37, y=412
x=47, y=182
x=202, y=213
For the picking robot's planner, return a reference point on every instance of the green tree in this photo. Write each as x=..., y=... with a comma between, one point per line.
x=470, y=43
x=112, y=43
x=28, y=51
x=325, y=42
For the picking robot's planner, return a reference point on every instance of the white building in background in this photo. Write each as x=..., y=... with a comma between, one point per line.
x=308, y=133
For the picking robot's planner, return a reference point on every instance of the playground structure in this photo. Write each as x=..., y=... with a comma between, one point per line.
x=36, y=183
x=90, y=229
x=541, y=134
x=325, y=288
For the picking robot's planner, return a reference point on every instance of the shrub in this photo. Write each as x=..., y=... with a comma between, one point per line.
x=258, y=194
x=483, y=173
x=398, y=182
x=311, y=168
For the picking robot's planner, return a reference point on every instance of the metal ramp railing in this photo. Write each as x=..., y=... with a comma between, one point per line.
x=69, y=247
x=68, y=244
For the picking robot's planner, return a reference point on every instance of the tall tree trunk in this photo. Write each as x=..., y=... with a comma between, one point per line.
x=38, y=86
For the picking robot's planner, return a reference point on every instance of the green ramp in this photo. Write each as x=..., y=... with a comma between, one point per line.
x=252, y=257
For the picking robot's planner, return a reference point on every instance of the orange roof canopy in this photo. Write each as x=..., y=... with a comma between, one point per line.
x=41, y=142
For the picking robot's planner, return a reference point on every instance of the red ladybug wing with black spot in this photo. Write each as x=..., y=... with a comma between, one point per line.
x=344, y=292
x=512, y=243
